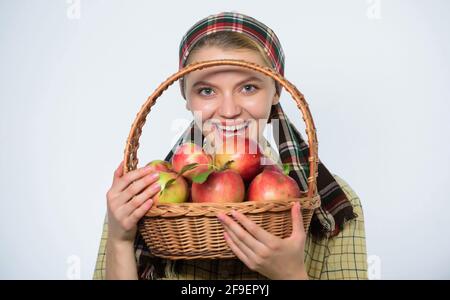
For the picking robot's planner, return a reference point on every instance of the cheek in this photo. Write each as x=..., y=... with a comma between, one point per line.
x=203, y=109
x=258, y=108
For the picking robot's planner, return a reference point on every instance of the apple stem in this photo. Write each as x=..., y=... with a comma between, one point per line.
x=226, y=165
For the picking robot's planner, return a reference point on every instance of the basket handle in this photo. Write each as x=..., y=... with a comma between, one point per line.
x=132, y=145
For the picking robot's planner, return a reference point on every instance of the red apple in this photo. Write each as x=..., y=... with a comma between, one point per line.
x=245, y=154
x=160, y=165
x=222, y=186
x=273, y=185
x=176, y=191
x=189, y=153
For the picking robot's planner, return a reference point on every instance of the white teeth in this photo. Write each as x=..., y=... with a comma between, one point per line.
x=232, y=127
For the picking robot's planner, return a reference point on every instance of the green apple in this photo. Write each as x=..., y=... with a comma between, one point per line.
x=174, y=189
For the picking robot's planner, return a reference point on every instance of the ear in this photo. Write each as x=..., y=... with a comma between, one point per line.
x=187, y=104
x=276, y=98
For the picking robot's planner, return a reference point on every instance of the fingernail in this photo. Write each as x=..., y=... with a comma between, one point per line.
x=154, y=176
x=233, y=213
x=155, y=187
x=220, y=217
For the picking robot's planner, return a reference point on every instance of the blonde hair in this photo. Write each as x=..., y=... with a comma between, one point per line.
x=232, y=40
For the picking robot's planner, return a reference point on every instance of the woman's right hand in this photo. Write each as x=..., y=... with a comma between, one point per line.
x=128, y=200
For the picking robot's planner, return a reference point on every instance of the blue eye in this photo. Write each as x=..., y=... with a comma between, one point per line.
x=206, y=91
x=248, y=88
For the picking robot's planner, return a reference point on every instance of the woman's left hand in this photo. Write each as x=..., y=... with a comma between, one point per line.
x=264, y=252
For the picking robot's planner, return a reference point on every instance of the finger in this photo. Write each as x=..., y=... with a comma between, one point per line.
x=240, y=247
x=249, y=253
x=130, y=206
x=139, y=212
x=236, y=250
x=135, y=188
x=297, y=220
x=118, y=172
x=124, y=181
x=252, y=245
x=260, y=234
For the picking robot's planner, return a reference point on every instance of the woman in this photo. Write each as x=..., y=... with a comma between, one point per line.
x=334, y=247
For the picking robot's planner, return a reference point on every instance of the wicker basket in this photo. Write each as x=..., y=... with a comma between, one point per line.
x=192, y=230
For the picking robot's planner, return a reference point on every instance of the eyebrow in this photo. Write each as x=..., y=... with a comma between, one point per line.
x=251, y=78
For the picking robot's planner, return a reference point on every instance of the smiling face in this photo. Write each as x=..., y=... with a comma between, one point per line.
x=230, y=100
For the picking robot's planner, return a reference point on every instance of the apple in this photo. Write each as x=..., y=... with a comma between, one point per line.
x=220, y=187
x=174, y=188
x=245, y=154
x=160, y=165
x=273, y=185
x=190, y=153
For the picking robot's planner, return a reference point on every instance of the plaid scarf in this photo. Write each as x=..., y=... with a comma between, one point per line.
x=335, y=208
x=236, y=22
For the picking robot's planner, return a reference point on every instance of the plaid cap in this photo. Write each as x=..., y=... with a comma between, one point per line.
x=235, y=22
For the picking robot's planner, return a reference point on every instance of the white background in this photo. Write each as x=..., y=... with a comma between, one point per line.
x=375, y=74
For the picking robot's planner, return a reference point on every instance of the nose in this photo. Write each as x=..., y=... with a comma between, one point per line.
x=229, y=107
